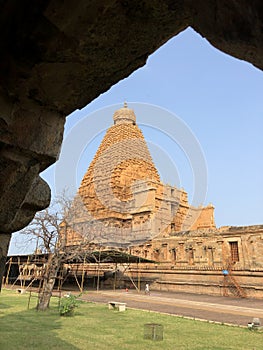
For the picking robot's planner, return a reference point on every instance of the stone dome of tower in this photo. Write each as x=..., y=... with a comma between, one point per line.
x=124, y=115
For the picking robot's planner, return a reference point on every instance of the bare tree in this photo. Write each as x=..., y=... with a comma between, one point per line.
x=51, y=228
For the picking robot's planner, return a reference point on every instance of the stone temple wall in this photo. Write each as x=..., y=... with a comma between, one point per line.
x=190, y=261
x=216, y=248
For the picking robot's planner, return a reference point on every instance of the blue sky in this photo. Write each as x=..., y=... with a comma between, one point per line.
x=217, y=98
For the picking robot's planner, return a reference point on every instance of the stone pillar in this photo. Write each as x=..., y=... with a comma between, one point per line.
x=181, y=252
x=4, y=244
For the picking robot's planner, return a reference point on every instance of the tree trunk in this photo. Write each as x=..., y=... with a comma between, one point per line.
x=49, y=278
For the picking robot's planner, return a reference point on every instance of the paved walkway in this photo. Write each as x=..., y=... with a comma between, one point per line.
x=213, y=308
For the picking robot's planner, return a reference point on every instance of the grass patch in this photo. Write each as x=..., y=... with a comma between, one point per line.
x=93, y=326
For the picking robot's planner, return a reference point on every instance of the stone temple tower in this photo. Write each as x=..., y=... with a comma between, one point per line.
x=122, y=198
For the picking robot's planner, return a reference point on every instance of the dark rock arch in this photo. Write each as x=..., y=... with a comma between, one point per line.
x=57, y=56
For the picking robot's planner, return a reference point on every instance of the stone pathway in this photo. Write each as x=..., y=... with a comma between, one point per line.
x=212, y=308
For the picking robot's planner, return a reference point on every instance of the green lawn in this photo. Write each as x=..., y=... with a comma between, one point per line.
x=96, y=327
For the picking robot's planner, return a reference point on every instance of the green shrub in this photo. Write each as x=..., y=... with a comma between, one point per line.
x=67, y=305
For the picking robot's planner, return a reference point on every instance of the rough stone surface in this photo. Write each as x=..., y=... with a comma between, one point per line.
x=57, y=56
x=4, y=244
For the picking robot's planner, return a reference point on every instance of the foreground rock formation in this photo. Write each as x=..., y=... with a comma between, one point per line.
x=52, y=52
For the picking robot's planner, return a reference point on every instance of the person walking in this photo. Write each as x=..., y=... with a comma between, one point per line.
x=147, y=289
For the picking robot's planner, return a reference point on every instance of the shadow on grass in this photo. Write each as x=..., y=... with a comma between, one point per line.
x=4, y=306
x=31, y=329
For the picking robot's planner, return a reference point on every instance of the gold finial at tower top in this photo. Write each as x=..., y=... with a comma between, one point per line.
x=125, y=105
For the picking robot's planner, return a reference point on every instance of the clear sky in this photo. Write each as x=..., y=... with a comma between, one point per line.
x=216, y=101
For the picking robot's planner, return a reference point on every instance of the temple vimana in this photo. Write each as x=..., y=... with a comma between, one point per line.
x=121, y=199
x=123, y=209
